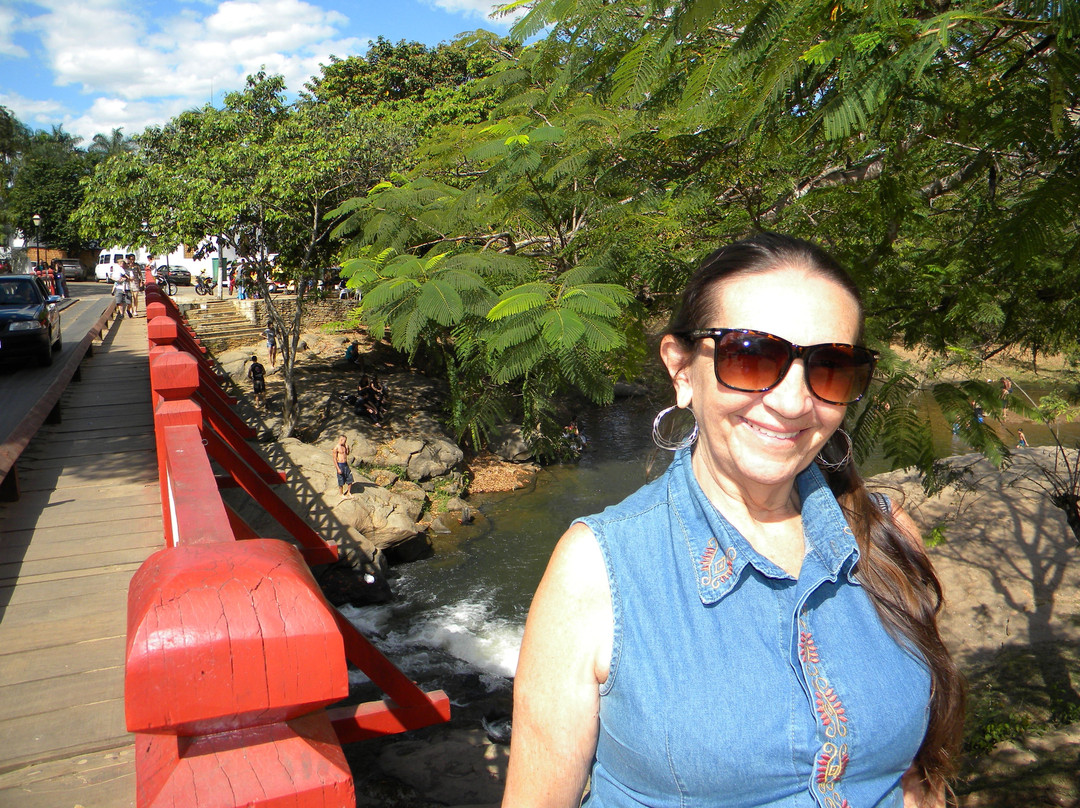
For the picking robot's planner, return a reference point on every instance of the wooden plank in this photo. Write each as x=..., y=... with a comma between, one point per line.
x=27, y=592
x=87, y=502
x=98, y=779
x=30, y=637
x=46, y=479
x=137, y=442
x=67, y=575
x=70, y=563
x=44, y=696
x=58, y=611
x=67, y=542
x=106, y=458
x=67, y=732
x=48, y=663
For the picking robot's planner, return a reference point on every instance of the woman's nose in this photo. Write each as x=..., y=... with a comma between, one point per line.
x=791, y=397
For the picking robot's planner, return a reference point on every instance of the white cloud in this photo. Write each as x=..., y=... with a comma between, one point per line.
x=8, y=29
x=145, y=62
x=31, y=111
x=479, y=9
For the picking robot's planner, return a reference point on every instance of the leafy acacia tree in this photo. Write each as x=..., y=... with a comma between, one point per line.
x=525, y=189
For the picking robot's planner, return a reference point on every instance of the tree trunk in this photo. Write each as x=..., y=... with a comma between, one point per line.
x=1068, y=503
x=290, y=412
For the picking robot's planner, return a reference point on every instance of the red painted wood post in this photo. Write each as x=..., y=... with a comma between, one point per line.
x=233, y=654
x=172, y=381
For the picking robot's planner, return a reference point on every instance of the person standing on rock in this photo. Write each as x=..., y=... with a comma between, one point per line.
x=340, y=453
x=257, y=374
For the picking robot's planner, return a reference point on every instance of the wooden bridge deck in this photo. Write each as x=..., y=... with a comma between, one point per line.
x=89, y=515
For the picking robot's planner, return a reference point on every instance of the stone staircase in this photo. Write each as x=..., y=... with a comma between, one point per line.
x=220, y=326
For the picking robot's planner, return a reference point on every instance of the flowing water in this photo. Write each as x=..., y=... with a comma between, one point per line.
x=463, y=611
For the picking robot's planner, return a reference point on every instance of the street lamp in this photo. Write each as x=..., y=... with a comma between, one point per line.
x=37, y=240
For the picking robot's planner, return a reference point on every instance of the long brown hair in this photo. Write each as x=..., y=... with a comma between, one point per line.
x=894, y=571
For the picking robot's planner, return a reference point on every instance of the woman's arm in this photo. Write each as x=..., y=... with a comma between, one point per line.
x=564, y=660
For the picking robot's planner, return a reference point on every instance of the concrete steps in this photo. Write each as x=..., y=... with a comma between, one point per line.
x=219, y=324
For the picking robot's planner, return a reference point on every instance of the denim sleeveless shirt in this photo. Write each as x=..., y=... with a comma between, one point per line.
x=733, y=684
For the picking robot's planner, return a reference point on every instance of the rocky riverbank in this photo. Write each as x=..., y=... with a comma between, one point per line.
x=1008, y=561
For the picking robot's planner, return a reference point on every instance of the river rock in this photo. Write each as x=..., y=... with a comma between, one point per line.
x=509, y=443
x=431, y=455
x=455, y=767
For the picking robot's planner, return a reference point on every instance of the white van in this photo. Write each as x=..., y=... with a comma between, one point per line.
x=108, y=267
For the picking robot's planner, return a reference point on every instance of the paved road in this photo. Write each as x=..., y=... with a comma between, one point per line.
x=22, y=385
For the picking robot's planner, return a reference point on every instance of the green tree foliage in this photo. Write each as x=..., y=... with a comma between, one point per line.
x=931, y=145
x=259, y=175
x=46, y=181
x=13, y=139
x=522, y=188
x=104, y=146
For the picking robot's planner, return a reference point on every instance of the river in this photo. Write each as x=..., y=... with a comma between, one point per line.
x=462, y=612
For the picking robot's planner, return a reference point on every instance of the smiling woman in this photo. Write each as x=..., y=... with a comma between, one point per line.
x=774, y=620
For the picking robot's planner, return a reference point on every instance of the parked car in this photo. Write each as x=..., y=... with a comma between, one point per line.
x=29, y=319
x=177, y=274
x=73, y=269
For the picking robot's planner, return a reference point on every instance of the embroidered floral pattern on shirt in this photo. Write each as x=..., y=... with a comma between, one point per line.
x=716, y=569
x=832, y=760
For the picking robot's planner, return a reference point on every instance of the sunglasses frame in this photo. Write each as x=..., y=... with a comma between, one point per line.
x=794, y=352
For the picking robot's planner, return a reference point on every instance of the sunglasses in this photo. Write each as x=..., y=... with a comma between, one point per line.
x=755, y=361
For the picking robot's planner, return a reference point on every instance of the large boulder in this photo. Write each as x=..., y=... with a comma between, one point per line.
x=508, y=442
x=428, y=453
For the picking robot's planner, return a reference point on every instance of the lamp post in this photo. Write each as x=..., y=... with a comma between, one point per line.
x=37, y=240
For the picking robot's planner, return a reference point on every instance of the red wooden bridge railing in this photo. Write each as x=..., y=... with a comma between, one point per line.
x=233, y=654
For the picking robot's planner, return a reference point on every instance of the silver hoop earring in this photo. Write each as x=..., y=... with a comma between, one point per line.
x=665, y=443
x=836, y=465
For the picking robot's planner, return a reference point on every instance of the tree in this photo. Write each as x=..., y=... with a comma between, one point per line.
x=260, y=176
x=14, y=137
x=526, y=193
x=46, y=182
x=105, y=146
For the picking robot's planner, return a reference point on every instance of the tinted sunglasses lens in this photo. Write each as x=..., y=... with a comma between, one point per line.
x=750, y=362
x=839, y=374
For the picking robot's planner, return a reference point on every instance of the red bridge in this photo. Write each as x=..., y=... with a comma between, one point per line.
x=233, y=666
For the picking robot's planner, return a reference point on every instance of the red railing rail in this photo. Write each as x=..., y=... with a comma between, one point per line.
x=233, y=654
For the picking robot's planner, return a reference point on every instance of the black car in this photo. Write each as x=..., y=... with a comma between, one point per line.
x=177, y=274
x=29, y=319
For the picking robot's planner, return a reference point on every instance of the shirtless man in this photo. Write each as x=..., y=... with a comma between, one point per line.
x=340, y=453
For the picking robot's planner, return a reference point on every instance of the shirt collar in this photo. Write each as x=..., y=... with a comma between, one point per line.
x=718, y=553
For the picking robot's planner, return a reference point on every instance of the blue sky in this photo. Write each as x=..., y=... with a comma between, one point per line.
x=95, y=65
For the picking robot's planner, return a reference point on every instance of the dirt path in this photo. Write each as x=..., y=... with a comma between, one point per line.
x=1010, y=567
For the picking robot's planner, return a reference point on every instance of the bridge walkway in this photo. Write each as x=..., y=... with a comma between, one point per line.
x=89, y=515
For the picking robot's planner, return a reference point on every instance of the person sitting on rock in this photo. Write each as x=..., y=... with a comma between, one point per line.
x=381, y=395
x=352, y=353
x=366, y=404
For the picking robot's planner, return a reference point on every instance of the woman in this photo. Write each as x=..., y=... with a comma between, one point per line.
x=753, y=628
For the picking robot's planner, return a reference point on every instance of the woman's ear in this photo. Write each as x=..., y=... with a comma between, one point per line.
x=676, y=359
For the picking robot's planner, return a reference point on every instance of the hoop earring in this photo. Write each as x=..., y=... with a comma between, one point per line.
x=665, y=443
x=836, y=465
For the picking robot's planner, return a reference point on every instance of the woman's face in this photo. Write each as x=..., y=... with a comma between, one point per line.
x=758, y=442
